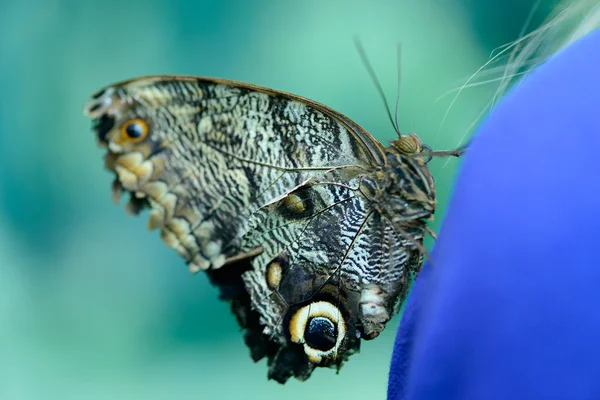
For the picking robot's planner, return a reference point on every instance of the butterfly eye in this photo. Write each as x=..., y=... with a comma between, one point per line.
x=427, y=149
x=320, y=327
x=134, y=130
x=409, y=144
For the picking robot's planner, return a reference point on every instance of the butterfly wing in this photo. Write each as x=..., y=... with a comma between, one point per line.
x=263, y=190
x=215, y=151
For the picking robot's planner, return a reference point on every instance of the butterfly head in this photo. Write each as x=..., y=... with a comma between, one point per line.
x=408, y=144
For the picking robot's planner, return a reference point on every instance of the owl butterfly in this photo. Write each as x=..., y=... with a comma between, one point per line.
x=309, y=226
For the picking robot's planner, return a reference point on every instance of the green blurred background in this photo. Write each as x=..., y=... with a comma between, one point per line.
x=92, y=306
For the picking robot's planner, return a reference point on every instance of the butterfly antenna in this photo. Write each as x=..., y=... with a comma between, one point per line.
x=398, y=92
x=371, y=71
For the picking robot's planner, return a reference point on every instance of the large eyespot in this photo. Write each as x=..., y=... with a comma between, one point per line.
x=321, y=333
x=134, y=130
x=320, y=327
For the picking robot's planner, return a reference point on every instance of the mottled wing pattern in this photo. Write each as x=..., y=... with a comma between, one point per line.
x=215, y=153
x=342, y=239
x=264, y=190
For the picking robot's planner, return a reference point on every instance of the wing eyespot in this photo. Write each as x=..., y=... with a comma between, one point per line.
x=298, y=204
x=274, y=274
x=320, y=328
x=295, y=204
x=320, y=333
x=134, y=130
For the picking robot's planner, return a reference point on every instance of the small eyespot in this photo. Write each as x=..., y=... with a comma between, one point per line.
x=274, y=274
x=294, y=204
x=134, y=130
x=298, y=204
x=320, y=328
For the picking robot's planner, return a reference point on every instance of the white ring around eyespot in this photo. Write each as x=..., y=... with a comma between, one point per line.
x=298, y=322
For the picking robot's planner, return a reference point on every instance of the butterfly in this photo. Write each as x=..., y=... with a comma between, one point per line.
x=311, y=228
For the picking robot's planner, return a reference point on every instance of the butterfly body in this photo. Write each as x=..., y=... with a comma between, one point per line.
x=308, y=225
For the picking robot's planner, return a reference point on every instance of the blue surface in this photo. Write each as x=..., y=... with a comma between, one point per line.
x=508, y=308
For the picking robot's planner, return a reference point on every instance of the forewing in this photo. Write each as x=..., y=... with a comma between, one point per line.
x=216, y=152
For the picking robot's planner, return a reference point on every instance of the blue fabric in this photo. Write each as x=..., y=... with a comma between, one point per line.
x=509, y=308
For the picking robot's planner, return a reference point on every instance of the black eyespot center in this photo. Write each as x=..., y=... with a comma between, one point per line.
x=321, y=333
x=134, y=130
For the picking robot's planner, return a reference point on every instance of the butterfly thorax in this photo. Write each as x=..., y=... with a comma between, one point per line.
x=410, y=190
x=402, y=189
x=402, y=192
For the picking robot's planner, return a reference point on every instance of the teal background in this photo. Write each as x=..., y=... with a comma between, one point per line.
x=92, y=306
